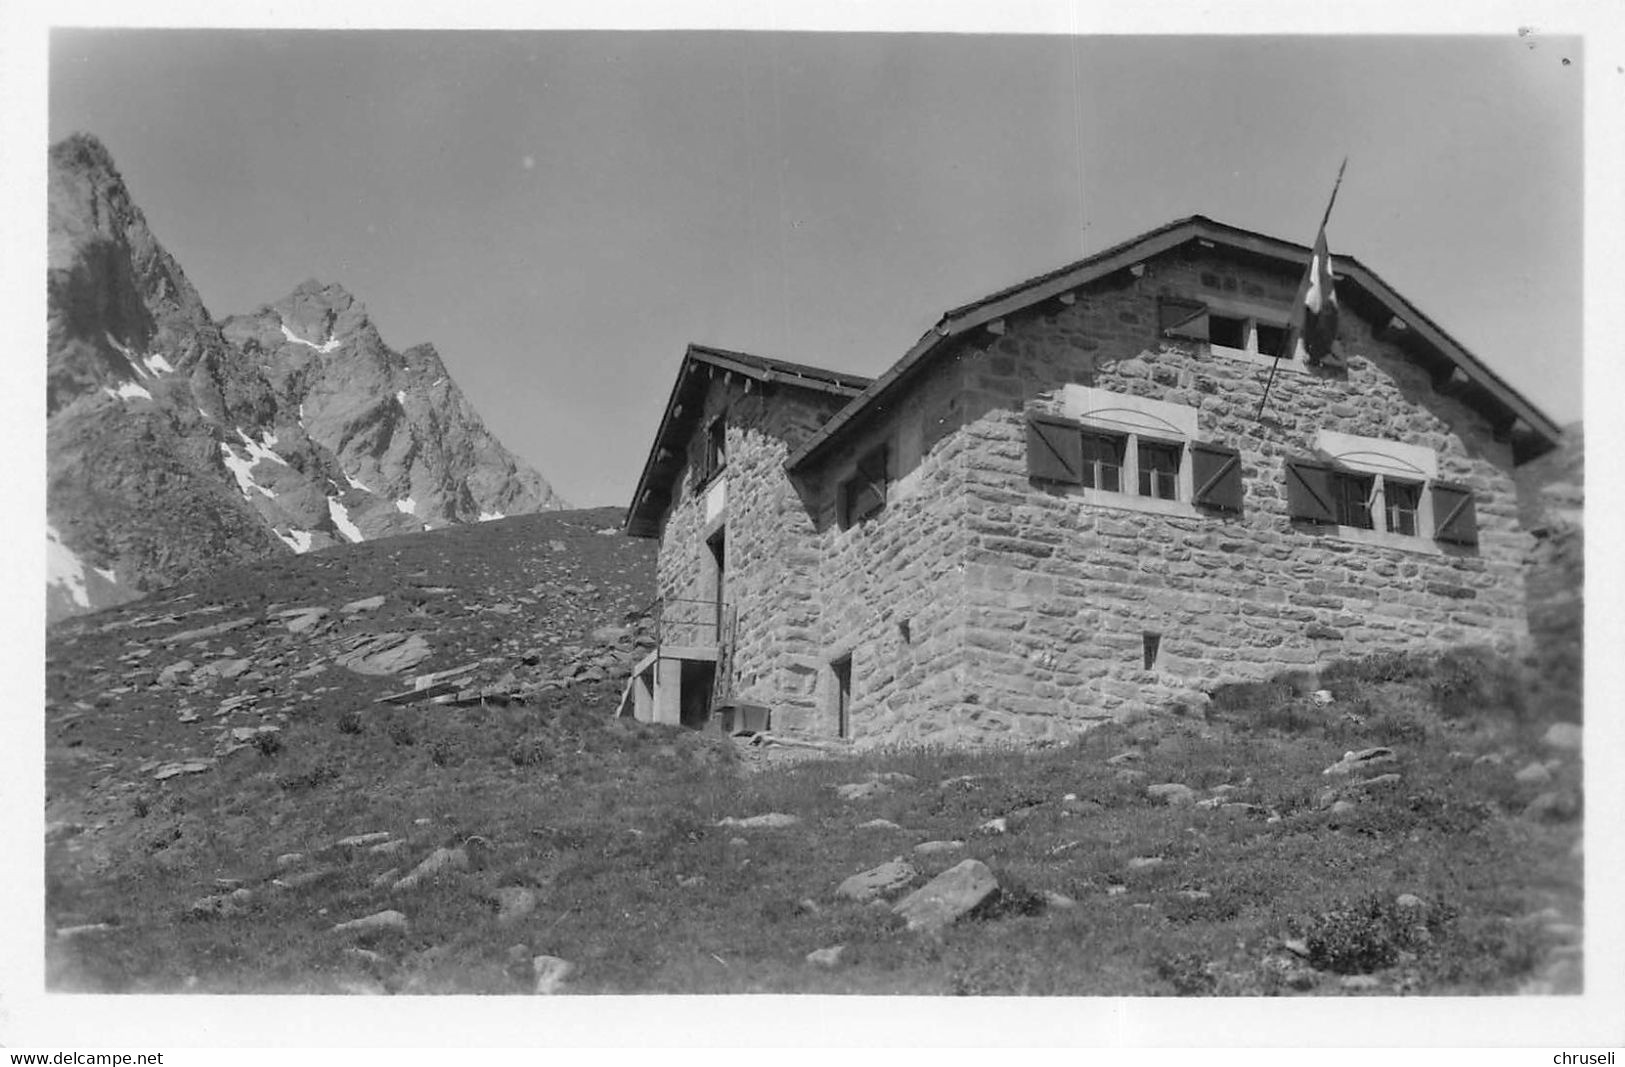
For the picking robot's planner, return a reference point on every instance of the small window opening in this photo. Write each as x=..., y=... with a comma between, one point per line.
x=1271, y=339
x=716, y=445
x=1227, y=331
x=841, y=669
x=903, y=631
x=1159, y=470
x=1150, y=645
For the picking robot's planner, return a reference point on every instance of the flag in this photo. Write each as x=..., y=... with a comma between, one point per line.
x=1314, y=312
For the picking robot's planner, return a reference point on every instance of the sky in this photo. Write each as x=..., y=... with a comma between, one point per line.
x=561, y=213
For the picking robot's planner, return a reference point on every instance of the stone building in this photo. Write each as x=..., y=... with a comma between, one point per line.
x=1064, y=503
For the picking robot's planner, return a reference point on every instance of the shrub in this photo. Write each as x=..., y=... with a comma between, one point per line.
x=400, y=733
x=267, y=744
x=1369, y=934
x=309, y=778
x=350, y=722
x=527, y=751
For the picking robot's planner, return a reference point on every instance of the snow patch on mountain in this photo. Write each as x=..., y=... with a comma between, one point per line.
x=329, y=345
x=490, y=516
x=63, y=568
x=298, y=540
x=127, y=391
x=407, y=506
x=341, y=519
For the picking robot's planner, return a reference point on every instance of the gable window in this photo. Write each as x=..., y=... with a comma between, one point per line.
x=1382, y=492
x=1103, y=462
x=1236, y=329
x=1159, y=469
x=716, y=445
x=863, y=495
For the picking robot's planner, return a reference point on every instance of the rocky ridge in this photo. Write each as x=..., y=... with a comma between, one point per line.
x=177, y=444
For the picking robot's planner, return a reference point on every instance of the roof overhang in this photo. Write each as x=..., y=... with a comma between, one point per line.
x=701, y=365
x=1531, y=431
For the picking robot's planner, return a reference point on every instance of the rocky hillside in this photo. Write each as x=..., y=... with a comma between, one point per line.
x=1551, y=503
x=178, y=444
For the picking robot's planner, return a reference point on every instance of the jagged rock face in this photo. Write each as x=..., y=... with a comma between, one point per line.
x=174, y=447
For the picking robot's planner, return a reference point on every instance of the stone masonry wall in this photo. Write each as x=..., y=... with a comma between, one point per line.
x=1060, y=592
x=892, y=588
x=770, y=558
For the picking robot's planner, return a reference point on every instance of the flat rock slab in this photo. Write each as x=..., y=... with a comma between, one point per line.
x=441, y=859
x=877, y=882
x=949, y=897
x=1353, y=761
x=1175, y=793
x=879, y=824
x=378, y=920
x=927, y=848
x=826, y=957
x=770, y=821
x=360, y=840
x=387, y=654
x=171, y=770
x=371, y=603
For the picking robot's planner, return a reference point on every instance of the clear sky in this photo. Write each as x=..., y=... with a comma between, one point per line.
x=560, y=213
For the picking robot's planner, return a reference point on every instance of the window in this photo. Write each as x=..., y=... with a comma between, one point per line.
x=841, y=674
x=1159, y=470
x=864, y=494
x=1403, y=501
x=1142, y=451
x=716, y=445
x=1103, y=462
x=1351, y=497
x=1236, y=328
x=1329, y=494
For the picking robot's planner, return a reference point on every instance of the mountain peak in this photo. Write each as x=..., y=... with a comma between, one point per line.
x=83, y=152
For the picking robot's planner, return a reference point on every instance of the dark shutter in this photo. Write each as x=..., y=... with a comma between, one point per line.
x=1216, y=476
x=1309, y=491
x=1054, y=450
x=864, y=494
x=1178, y=317
x=1455, y=519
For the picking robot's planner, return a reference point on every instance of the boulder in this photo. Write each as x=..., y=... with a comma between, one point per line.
x=441, y=859
x=950, y=896
x=1564, y=735
x=1172, y=793
x=928, y=848
x=551, y=973
x=879, y=824
x=877, y=882
x=826, y=957
x=1533, y=774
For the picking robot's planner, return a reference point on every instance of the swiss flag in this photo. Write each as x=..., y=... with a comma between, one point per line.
x=1314, y=313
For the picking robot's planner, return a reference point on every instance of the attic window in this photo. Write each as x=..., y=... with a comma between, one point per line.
x=716, y=445
x=1232, y=328
x=1227, y=331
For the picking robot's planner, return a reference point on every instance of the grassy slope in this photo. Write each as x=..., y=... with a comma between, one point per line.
x=613, y=826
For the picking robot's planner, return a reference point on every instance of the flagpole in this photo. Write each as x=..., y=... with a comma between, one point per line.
x=1291, y=339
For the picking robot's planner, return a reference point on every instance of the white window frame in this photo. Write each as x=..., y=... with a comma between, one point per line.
x=1379, y=460
x=1135, y=418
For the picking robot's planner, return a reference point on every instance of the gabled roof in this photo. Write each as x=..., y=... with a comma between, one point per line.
x=1534, y=433
x=700, y=364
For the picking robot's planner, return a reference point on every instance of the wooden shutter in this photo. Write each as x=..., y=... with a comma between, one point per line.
x=1216, y=476
x=1054, y=450
x=1309, y=491
x=1455, y=519
x=864, y=494
x=1178, y=317
x=698, y=475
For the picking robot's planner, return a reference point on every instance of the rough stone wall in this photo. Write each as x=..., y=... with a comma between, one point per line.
x=1061, y=592
x=892, y=587
x=770, y=547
